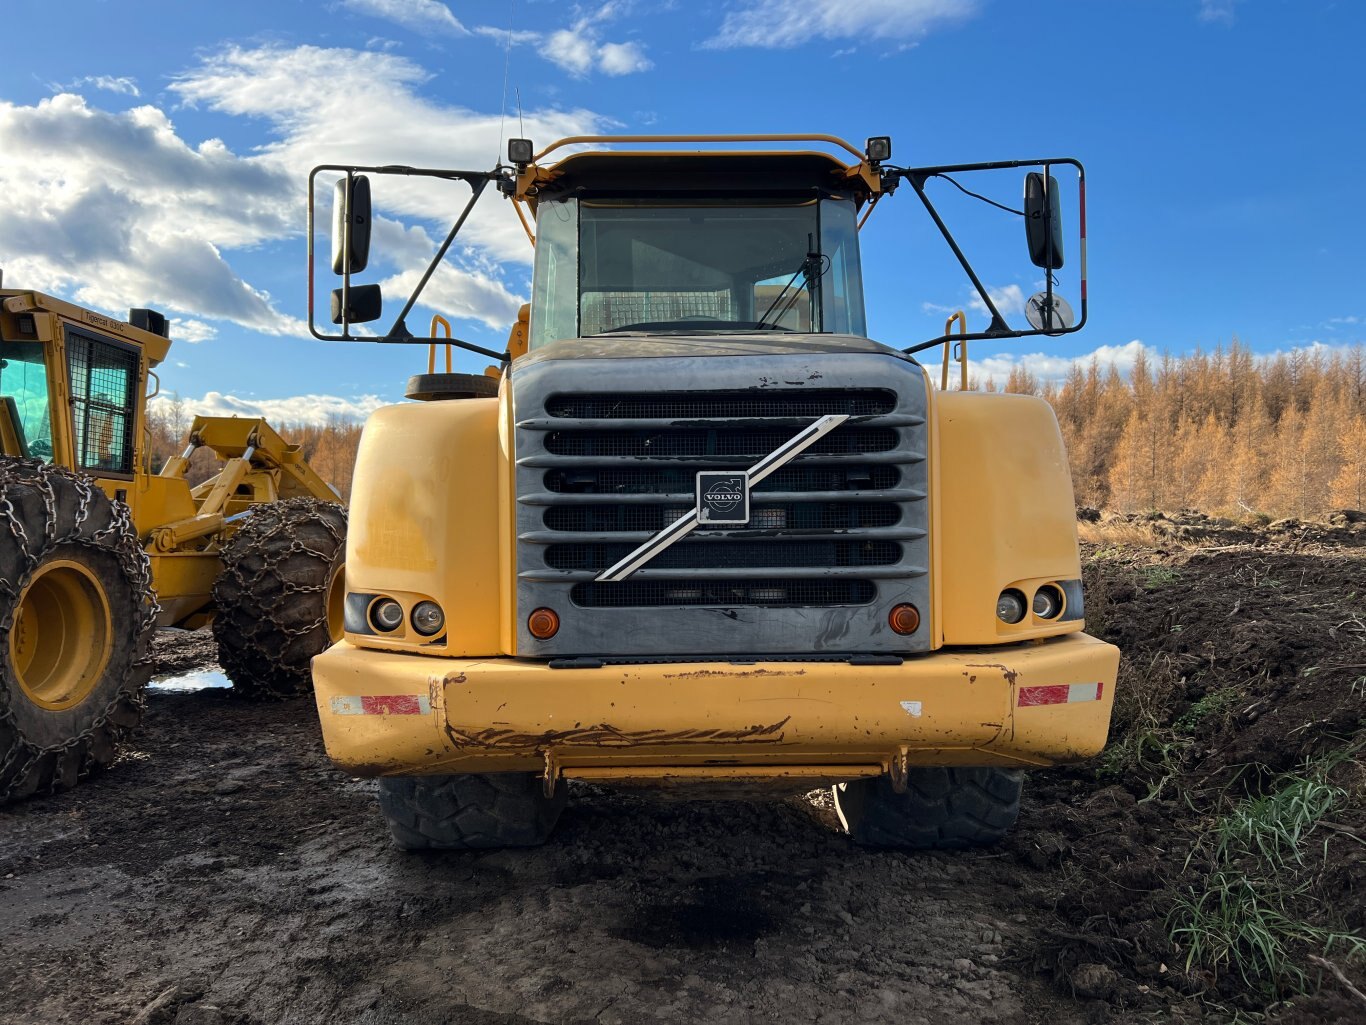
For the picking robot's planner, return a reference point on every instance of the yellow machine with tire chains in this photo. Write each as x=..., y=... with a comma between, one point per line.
x=694, y=532
x=96, y=551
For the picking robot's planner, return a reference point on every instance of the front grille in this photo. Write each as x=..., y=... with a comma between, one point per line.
x=769, y=593
x=834, y=539
x=736, y=555
x=751, y=443
x=739, y=405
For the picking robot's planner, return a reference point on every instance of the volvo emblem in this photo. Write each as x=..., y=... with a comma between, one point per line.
x=722, y=498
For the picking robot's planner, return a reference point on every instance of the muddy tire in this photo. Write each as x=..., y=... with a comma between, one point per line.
x=76, y=621
x=942, y=809
x=469, y=812
x=279, y=596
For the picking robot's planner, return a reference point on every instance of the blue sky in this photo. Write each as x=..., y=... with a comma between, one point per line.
x=154, y=152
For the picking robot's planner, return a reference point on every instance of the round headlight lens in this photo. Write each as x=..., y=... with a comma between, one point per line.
x=1047, y=602
x=428, y=618
x=386, y=614
x=1010, y=607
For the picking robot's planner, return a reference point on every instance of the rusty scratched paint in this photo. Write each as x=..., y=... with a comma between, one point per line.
x=606, y=735
x=1008, y=673
x=740, y=674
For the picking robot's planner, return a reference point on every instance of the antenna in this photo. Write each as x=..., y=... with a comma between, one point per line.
x=521, y=128
x=507, y=63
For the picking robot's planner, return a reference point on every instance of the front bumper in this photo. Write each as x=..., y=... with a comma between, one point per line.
x=1034, y=704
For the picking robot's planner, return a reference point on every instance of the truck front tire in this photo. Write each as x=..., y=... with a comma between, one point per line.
x=469, y=812
x=941, y=809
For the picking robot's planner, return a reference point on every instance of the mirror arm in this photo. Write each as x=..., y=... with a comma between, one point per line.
x=403, y=337
x=999, y=328
x=399, y=329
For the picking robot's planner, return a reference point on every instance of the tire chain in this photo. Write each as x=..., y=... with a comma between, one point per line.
x=268, y=525
x=132, y=561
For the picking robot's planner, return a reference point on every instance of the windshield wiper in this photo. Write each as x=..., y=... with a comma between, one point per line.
x=811, y=270
x=695, y=327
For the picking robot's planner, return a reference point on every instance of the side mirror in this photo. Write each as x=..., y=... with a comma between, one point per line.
x=352, y=211
x=367, y=302
x=1043, y=221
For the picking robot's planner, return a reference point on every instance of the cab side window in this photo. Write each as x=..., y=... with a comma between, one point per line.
x=104, y=378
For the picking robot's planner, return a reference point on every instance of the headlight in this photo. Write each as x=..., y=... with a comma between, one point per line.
x=1047, y=602
x=428, y=619
x=1010, y=607
x=386, y=615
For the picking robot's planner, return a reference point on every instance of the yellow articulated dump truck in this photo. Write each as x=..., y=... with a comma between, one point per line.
x=96, y=550
x=695, y=527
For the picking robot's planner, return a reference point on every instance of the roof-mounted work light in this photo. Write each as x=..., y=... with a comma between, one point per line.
x=878, y=148
x=520, y=152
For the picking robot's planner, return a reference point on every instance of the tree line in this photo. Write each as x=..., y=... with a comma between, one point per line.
x=1227, y=432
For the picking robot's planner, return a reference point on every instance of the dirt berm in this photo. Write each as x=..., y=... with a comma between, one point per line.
x=223, y=872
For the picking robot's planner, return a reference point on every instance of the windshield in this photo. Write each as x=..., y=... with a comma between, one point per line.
x=618, y=265
x=23, y=393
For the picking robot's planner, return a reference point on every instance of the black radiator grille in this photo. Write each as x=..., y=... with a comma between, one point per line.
x=710, y=405
x=737, y=555
x=607, y=447
x=750, y=442
x=666, y=480
x=787, y=516
x=767, y=593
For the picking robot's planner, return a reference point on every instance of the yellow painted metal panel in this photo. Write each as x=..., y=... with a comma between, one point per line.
x=427, y=518
x=501, y=714
x=1005, y=512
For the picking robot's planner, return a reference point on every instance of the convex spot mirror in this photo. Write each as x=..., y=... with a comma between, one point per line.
x=365, y=303
x=351, y=212
x=1043, y=220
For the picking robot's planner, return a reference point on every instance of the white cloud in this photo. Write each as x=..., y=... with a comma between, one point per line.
x=1222, y=12
x=1045, y=367
x=295, y=409
x=118, y=210
x=187, y=329
x=109, y=83
x=418, y=15
x=580, y=49
x=1008, y=299
x=122, y=209
x=362, y=107
x=777, y=24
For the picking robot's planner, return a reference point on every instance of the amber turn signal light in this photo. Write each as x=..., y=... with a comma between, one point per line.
x=904, y=619
x=543, y=624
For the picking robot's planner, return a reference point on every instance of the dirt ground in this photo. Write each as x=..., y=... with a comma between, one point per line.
x=224, y=872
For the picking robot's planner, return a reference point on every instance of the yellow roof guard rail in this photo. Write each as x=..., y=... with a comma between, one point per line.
x=578, y=140
x=431, y=349
x=960, y=351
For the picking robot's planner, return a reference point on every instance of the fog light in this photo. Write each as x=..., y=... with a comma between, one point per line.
x=1010, y=607
x=386, y=614
x=543, y=624
x=1047, y=602
x=904, y=619
x=428, y=619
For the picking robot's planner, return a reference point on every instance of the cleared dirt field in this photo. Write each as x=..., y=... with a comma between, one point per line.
x=224, y=872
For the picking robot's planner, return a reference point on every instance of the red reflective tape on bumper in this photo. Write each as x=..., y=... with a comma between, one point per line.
x=382, y=704
x=1059, y=694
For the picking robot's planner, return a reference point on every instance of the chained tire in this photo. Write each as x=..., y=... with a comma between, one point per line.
x=76, y=619
x=279, y=596
x=942, y=808
x=469, y=812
